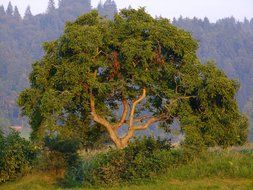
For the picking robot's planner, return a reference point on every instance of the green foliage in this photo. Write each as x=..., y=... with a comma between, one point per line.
x=50, y=162
x=217, y=169
x=58, y=154
x=142, y=159
x=219, y=164
x=227, y=41
x=131, y=52
x=16, y=156
x=215, y=111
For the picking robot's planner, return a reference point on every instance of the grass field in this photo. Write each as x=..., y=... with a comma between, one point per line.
x=47, y=182
x=226, y=170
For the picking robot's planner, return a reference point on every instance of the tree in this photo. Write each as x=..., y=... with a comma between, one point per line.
x=16, y=13
x=248, y=109
x=28, y=13
x=108, y=10
x=144, y=67
x=51, y=6
x=2, y=11
x=9, y=10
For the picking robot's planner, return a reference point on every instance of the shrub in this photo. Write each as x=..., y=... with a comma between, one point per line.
x=142, y=159
x=16, y=156
x=58, y=154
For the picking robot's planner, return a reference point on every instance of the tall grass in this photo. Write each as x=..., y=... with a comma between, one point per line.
x=215, y=164
x=215, y=170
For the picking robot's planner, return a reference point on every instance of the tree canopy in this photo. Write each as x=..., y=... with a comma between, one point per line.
x=144, y=65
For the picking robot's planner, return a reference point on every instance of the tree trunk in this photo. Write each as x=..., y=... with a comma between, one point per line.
x=122, y=142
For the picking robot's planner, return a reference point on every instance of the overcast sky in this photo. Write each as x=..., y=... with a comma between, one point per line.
x=213, y=9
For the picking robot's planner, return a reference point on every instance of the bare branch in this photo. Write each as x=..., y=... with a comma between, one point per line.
x=124, y=115
x=96, y=117
x=135, y=103
x=114, y=136
x=149, y=123
x=132, y=129
x=139, y=119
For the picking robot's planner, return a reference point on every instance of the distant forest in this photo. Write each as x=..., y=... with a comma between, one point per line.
x=228, y=42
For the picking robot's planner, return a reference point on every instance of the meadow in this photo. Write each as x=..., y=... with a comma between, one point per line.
x=218, y=169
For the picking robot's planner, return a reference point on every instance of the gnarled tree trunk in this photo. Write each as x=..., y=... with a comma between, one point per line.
x=112, y=129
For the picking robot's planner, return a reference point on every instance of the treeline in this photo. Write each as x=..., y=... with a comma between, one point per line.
x=227, y=41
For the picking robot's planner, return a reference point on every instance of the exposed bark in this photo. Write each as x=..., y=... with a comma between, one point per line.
x=124, y=115
x=112, y=128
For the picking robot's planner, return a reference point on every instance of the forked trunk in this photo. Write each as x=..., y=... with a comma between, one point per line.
x=122, y=142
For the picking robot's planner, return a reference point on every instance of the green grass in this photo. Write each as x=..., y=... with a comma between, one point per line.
x=223, y=170
x=217, y=164
x=47, y=182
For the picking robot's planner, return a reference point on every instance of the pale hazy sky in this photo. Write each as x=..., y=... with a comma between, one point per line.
x=213, y=9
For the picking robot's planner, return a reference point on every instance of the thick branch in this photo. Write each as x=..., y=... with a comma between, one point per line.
x=96, y=117
x=124, y=115
x=135, y=103
x=140, y=119
x=112, y=129
x=132, y=129
x=148, y=123
x=105, y=123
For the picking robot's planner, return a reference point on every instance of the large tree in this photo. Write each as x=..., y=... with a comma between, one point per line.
x=134, y=71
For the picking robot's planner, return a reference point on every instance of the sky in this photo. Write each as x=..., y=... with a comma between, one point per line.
x=213, y=9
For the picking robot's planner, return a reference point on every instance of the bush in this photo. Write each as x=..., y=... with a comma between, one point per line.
x=16, y=156
x=142, y=159
x=58, y=154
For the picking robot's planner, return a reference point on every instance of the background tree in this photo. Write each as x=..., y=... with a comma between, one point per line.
x=16, y=14
x=147, y=67
x=2, y=11
x=108, y=9
x=9, y=10
x=28, y=13
x=51, y=6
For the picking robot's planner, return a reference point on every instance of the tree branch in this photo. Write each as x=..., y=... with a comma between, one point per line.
x=132, y=129
x=149, y=122
x=139, y=119
x=182, y=98
x=124, y=115
x=135, y=103
x=104, y=122
x=95, y=116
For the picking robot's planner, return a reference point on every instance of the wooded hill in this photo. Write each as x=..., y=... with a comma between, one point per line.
x=228, y=42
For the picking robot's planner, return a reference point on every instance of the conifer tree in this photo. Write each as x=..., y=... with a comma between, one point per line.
x=2, y=11
x=100, y=6
x=130, y=7
x=60, y=3
x=28, y=13
x=9, y=10
x=108, y=10
x=16, y=13
x=51, y=6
